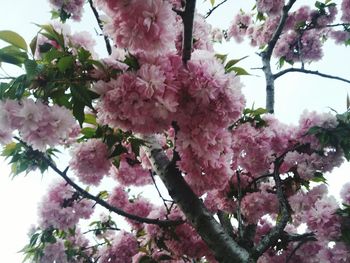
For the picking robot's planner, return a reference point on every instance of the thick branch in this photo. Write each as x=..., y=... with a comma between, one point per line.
x=213, y=9
x=312, y=72
x=225, y=222
x=100, y=24
x=266, y=57
x=98, y=200
x=187, y=18
x=223, y=246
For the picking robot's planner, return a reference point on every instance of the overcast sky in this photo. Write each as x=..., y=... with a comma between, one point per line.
x=294, y=93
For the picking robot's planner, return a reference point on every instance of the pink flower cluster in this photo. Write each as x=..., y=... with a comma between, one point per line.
x=185, y=242
x=131, y=172
x=302, y=35
x=39, y=124
x=142, y=25
x=345, y=8
x=73, y=7
x=62, y=208
x=210, y=101
x=239, y=26
x=54, y=252
x=139, y=207
x=122, y=249
x=143, y=101
x=345, y=193
x=270, y=7
x=90, y=161
x=257, y=204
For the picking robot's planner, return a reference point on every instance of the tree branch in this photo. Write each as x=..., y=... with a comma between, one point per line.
x=187, y=18
x=83, y=193
x=222, y=244
x=213, y=9
x=302, y=240
x=225, y=222
x=272, y=43
x=284, y=209
x=266, y=57
x=312, y=72
x=100, y=24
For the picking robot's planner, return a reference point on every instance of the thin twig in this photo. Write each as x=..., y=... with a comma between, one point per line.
x=213, y=9
x=339, y=24
x=258, y=179
x=313, y=72
x=159, y=193
x=303, y=239
x=98, y=200
x=100, y=24
x=101, y=229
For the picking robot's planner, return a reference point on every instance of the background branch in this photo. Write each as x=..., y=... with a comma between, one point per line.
x=100, y=24
x=312, y=72
x=213, y=9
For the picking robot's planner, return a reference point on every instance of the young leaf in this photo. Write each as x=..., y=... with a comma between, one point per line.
x=12, y=55
x=13, y=38
x=233, y=62
x=238, y=70
x=65, y=63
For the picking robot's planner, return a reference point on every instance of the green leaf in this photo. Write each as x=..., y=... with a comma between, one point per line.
x=9, y=149
x=78, y=111
x=14, y=39
x=103, y=195
x=238, y=70
x=52, y=34
x=88, y=132
x=31, y=69
x=221, y=57
x=12, y=55
x=90, y=119
x=212, y=2
x=132, y=62
x=319, y=178
x=118, y=150
x=83, y=55
x=233, y=62
x=65, y=63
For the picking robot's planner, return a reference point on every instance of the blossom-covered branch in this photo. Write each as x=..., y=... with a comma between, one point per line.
x=82, y=192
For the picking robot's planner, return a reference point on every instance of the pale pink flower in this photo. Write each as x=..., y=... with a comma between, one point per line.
x=90, y=161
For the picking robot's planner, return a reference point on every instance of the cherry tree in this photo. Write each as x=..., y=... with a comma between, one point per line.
x=164, y=108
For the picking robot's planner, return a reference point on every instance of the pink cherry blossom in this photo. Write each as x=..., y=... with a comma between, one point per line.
x=90, y=161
